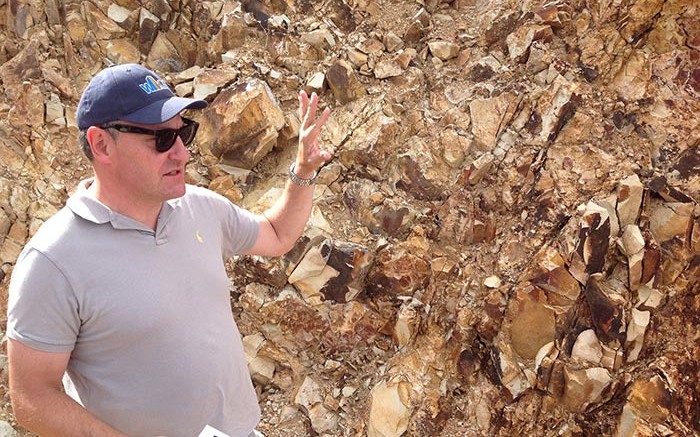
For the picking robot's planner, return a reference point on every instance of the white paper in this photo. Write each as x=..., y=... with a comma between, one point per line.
x=210, y=431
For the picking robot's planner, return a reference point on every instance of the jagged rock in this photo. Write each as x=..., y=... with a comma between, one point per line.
x=585, y=388
x=261, y=368
x=490, y=117
x=387, y=68
x=398, y=270
x=242, y=123
x=587, y=347
x=594, y=238
x=635, y=333
x=372, y=144
x=343, y=82
x=669, y=220
x=630, y=192
x=316, y=83
x=149, y=25
x=390, y=409
x=322, y=39
x=511, y=375
x=331, y=270
x=561, y=287
x=421, y=173
x=310, y=397
x=632, y=245
x=208, y=82
x=443, y=50
x=649, y=402
x=480, y=167
x=606, y=307
x=407, y=322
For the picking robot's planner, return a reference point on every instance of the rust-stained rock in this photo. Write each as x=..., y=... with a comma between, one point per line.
x=332, y=270
x=242, y=124
x=398, y=270
x=480, y=150
x=649, y=402
x=630, y=192
x=606, y=307
x=594, y=237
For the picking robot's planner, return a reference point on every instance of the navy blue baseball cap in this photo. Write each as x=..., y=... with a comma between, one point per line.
x=130, y=92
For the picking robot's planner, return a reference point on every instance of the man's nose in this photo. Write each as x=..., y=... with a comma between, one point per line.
x=179, y=151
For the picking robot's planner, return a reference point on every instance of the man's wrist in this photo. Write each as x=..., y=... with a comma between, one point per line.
x=300, y=176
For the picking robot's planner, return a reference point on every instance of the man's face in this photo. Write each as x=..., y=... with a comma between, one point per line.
x=149, y=175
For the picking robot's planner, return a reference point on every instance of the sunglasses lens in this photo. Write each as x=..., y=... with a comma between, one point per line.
x=165, y=138
x=188, y=132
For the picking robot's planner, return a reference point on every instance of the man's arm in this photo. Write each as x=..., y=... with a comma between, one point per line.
x=38, y=400
x=283, y=223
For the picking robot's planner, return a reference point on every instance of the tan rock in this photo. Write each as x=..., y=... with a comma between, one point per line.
x=321, y=39
x=390, y=409
x=480, y=168
x=649, y=402
x=587, y=347
x=241, y=125
x=561, y=287
x=443, y=50
x=585, y=388
x=149, y=25
x=669, y=220
x=636, y=329
x=386, y=68
x=392, y=42
x=398, y=270
x=629, y=200
x=532, y=321
x=490, y=117
x=208, y=82
x=102, y=26
x=510, y=373
x=316, y=83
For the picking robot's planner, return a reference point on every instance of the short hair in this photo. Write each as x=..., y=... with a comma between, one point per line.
x=85, y=144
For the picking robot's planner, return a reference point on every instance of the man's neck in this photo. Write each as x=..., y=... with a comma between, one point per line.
x=143, y=212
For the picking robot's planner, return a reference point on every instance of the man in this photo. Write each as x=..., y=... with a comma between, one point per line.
x=119, y=318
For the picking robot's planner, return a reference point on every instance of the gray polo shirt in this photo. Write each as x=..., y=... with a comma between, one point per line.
x=146, y=315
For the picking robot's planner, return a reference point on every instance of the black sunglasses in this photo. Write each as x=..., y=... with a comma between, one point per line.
x=165, y=138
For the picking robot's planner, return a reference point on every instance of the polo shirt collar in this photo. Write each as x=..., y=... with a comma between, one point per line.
x=84, y=204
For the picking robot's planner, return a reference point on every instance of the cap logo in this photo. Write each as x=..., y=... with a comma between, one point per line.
x=152, y=85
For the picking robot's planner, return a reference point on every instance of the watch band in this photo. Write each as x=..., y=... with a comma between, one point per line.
x=299, y=180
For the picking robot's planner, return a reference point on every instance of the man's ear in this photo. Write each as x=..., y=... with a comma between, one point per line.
x=100, y=141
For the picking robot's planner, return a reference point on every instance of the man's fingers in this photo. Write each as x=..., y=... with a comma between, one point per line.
x=311, y=111
x=320, y=122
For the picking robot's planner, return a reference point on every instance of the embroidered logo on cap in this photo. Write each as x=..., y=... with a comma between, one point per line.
x=152, y=85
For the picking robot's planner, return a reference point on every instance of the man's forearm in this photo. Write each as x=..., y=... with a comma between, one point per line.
x=52, y=413
x=289, y=215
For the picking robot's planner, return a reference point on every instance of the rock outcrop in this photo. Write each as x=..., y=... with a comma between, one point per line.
x=507, y=241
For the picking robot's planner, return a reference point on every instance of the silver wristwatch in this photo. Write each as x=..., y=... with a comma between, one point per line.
x=299, y=180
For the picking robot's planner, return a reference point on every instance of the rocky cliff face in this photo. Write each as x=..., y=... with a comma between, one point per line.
x=507, y=241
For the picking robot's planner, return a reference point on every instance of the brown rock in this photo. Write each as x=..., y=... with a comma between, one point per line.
x=585, y=388
x=606, y=309
x=241, y=125
x=398, y=270
x=531, y=321
x=343, y=82
x=670, y=220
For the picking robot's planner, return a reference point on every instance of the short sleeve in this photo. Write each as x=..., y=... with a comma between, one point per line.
x=241, y=229
x=42, y=308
